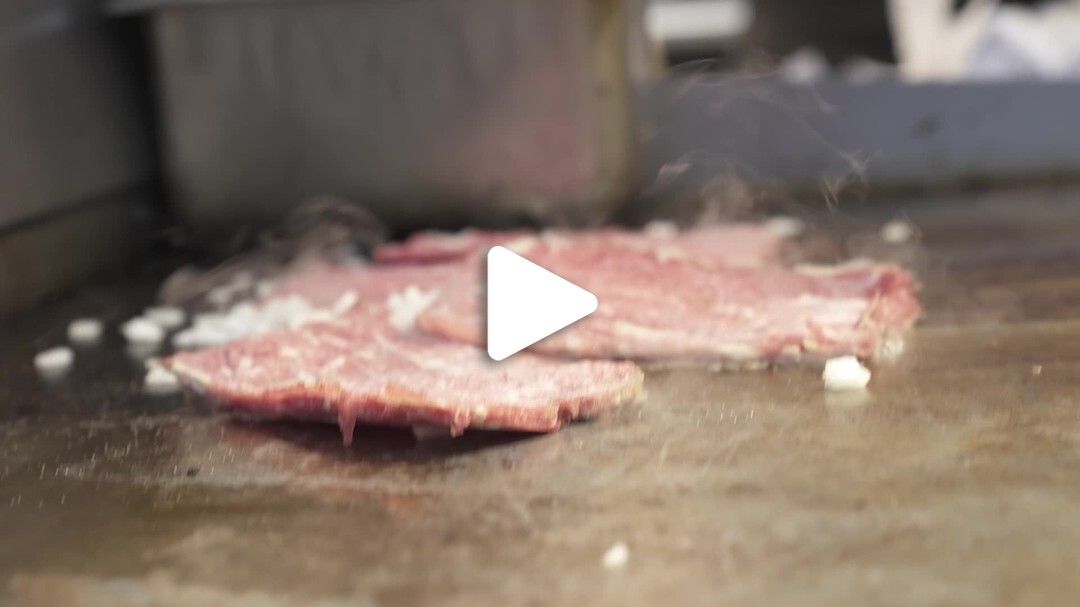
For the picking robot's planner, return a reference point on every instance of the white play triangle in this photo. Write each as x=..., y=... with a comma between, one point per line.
x=526, y=303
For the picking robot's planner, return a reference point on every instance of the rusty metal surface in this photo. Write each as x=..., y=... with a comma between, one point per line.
x=953, y=481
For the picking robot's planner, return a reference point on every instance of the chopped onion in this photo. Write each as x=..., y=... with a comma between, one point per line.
x=845, y=373
x=785, y=226
x=617, y=556
x=166, y=317
x=897, y=232
x=662, y=229
x=141, y=331
x=84, y=331
x=407, y=305
x=160, y=381
x=246, y=319
x=345, y=303
x=54, y=361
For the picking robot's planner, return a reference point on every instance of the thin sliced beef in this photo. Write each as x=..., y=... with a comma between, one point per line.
x=431, y=261
x=358, y=370
x=732, y=245
x=671, y=310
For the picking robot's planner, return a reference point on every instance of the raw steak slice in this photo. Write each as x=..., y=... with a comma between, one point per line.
x=734, y=245
x=357, y=370
x=669, y=310
x=360, y=287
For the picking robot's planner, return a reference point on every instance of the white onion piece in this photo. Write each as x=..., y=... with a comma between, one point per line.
x=785, y=226
x=160, y=381
x=407, y=305
x=141, y=331
x=85, y=331
x=897, y=232
x=247, y=319
x=617, y=556
x=662, y=229
x=166, y=317
x=54, y=362
x=845, y=373
x=345, y=303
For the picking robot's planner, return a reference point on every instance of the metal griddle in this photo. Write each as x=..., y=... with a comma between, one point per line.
x=954, y=481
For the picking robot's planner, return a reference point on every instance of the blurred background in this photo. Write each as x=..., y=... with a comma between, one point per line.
x=193, y=125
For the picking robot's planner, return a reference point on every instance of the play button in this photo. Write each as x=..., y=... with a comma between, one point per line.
x=526, y=303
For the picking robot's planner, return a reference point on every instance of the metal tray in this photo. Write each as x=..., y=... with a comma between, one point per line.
x=429, y=113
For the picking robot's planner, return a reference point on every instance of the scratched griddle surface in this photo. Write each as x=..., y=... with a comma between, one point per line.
x=955, y=481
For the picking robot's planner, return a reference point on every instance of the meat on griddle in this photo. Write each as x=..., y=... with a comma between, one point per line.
x=404, y=350
x=357, y=369
x=673, y=310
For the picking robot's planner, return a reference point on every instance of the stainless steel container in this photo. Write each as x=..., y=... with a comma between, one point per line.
x=72, y=126
x=429, y=112
x=75, y=151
